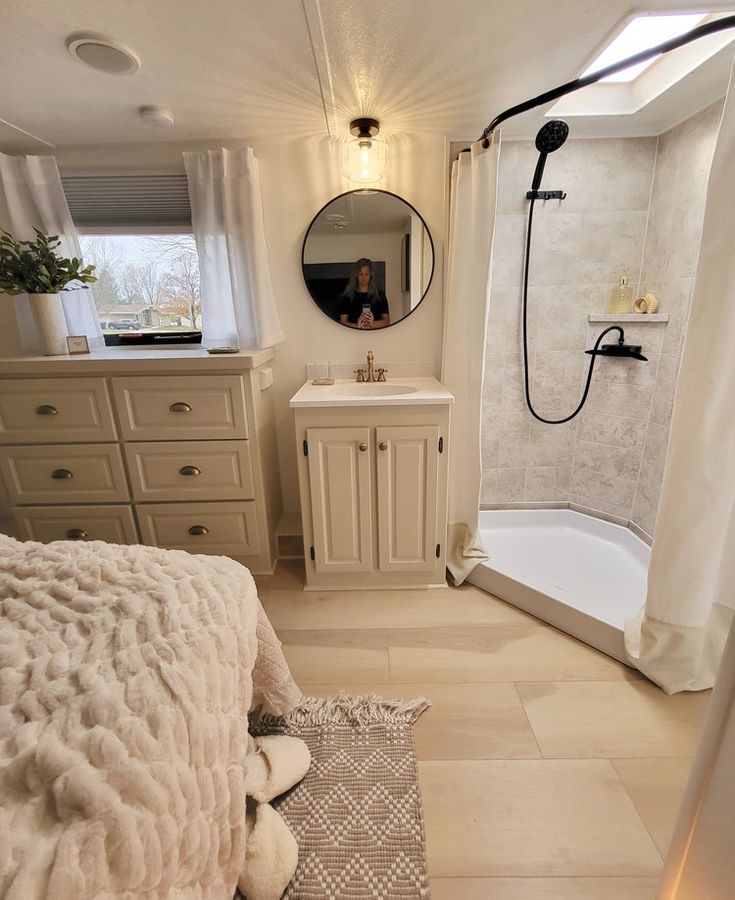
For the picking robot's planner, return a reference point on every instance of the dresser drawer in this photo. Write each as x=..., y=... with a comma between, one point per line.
x=190, y=470
x=62, y=409
x=63, y=473
x=225, y=529
x=181, y=407
x=114, y=524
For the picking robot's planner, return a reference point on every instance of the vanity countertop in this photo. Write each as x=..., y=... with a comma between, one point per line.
x=396, y=392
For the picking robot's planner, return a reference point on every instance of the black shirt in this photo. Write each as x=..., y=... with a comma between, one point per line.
x=352, y=306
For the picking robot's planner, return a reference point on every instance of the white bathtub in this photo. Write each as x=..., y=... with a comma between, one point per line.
x=576, y=572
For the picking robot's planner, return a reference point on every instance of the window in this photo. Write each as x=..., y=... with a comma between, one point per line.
x=146, y=283
x=136, y=231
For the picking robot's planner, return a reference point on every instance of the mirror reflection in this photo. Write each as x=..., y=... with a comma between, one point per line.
x=368, y=259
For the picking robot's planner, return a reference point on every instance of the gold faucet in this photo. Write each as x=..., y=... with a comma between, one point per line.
x=370, y=374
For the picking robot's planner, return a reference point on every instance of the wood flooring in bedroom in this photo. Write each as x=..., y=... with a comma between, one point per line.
x=548, y=771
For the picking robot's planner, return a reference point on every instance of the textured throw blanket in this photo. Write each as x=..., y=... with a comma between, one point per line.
x=126, y=677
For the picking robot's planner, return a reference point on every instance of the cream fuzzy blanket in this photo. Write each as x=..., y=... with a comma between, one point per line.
x=126, y=677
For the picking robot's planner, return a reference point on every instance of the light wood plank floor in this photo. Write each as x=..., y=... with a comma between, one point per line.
x=548, y=771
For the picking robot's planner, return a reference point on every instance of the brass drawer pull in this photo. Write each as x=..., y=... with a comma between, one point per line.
x=76, y=534
x=363, y=447
x=189, y=470
x=62, y=474
x=382, y=445
x=197, y=530
x=180, y=407
x=46, y=410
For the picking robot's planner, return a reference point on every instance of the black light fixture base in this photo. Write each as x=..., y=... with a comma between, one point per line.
x=364, y=127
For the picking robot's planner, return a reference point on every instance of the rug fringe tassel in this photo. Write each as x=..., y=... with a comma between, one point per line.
x=346, y=709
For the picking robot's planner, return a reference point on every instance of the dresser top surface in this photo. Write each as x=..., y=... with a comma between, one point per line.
x=131, y=362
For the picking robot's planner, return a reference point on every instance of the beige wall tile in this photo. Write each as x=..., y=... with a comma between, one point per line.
x=543, y=888
x=532, y=817
x=615, y=719
x=656, y=787
x=496, y=653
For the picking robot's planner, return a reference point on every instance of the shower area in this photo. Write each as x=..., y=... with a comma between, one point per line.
x=568, y=510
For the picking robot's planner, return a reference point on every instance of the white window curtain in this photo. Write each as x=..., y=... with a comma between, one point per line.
x=691, y=581
x=238, y=304
x=34, y=196
x=466, y=306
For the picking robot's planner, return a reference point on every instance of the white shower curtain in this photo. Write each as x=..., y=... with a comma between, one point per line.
x=466, y=304
x=34, y=196
x=238, y=304
x=691, y=581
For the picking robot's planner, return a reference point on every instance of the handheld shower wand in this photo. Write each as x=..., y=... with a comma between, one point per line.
x=550, y=138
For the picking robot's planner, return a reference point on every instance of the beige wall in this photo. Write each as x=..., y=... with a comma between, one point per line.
x=635, y=202
x=298, y=178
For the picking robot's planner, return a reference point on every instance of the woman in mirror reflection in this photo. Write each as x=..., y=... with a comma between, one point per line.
x=363, y=304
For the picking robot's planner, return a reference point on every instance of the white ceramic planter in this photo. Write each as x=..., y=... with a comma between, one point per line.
x=50, y=322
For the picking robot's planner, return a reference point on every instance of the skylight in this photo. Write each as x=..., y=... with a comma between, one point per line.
x=639, y=34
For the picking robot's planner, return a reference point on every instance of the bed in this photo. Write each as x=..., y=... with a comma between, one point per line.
x=127, y=674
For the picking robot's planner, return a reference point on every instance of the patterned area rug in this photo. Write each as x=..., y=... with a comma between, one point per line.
x=357, y=814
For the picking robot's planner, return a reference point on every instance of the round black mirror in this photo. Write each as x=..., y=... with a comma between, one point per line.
x=367, y=259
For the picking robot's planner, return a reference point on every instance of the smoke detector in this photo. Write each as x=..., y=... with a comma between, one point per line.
x=157, y=116
x=103, y=54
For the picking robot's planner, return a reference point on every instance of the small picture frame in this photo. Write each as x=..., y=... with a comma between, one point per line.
x=77, y=343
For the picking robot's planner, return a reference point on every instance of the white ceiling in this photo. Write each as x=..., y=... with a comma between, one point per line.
x=261, y=69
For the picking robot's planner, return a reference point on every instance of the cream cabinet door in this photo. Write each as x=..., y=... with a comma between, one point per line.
x=408, y=460
x=340, y=467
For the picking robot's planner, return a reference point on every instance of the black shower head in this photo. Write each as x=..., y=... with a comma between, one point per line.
x=550, y=137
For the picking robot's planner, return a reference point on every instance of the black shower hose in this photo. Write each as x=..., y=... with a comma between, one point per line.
x=525, y=338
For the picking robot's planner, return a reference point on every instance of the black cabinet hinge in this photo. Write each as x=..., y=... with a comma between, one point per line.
x=311, y=553
x=438, y=550
x=306, y=448
x=441, y=445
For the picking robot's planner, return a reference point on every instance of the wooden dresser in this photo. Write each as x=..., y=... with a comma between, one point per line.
x=172, y=448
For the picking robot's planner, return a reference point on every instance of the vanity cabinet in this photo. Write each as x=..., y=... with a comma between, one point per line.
x=172, y=448
x=373, y=486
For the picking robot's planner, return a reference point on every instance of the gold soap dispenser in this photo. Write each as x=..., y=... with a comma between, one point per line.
x=621, y=298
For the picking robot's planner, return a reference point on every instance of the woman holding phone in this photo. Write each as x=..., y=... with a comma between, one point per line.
x=363, y=305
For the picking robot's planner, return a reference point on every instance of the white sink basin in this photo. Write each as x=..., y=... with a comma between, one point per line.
x=409, y=391
x=374, y=389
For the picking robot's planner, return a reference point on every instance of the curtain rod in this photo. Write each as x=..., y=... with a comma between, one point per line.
x=575, y=85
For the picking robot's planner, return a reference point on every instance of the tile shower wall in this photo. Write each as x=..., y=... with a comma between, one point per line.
x=580, y=245
x=669, y=262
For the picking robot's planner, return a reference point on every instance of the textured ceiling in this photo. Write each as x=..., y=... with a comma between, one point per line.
x=268, y=68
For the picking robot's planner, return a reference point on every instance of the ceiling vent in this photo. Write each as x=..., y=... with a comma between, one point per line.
x=103, y=54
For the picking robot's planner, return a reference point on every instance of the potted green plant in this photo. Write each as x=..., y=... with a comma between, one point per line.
x=34, y=268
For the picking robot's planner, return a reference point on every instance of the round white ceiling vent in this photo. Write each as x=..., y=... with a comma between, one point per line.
x=103, y=54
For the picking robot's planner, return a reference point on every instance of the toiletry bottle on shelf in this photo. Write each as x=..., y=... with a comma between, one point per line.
x=621, y=298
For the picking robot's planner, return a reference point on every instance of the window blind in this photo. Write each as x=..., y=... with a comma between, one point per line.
x=127, y=200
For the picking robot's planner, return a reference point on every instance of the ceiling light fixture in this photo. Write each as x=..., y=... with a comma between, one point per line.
x=638, y=34
x=103, y=54
x=364, y=156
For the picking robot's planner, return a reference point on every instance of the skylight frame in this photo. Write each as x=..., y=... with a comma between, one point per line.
x=604, y=57
x=625, y=98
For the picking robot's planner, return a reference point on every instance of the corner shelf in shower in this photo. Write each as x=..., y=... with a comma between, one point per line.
x=638, y=318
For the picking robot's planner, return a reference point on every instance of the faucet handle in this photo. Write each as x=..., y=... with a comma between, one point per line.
x=381, y=374
x=360, y=375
